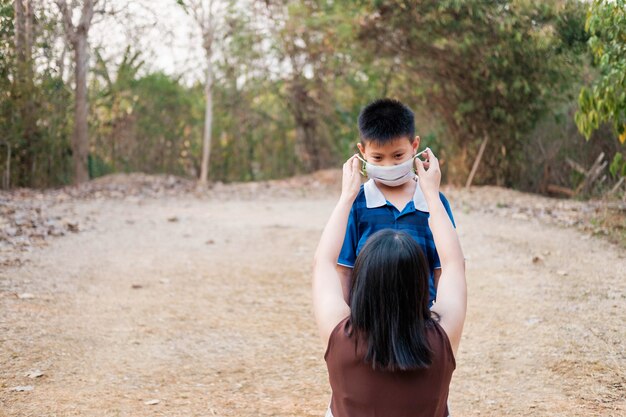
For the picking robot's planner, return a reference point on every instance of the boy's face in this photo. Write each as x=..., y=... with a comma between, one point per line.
x=394, y=152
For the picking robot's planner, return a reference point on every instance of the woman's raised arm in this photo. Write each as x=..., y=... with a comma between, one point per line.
x=451, y=303
x=328, y=301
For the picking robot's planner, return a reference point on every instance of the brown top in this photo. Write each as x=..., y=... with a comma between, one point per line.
x=360, y=391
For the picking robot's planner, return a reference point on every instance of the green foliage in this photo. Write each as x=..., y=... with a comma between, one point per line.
x=143, y=123
x=6, y=104
x=290, y=80
x=6, y=60
x=485, y=68
x=6, y=33
x=34, y=122
x=618, y=166
x=605, y=100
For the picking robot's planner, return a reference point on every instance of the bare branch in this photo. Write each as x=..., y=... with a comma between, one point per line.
x=66, y=16
x=86, y=15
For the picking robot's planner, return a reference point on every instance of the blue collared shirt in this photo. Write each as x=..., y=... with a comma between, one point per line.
x=372, y=212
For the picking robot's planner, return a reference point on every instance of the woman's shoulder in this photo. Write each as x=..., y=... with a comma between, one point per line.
x=436, y=333
x=341, y=329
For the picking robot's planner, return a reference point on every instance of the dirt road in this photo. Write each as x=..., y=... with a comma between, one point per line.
x=186, y=306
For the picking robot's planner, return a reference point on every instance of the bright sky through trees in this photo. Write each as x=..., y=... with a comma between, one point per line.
x=160, y=29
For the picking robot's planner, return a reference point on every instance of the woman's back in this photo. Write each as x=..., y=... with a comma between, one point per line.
x=358, y=390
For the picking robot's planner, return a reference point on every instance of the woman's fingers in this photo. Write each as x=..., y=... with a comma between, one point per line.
x=431, y=157
x=430, y=161
x=348, y=165
x=427, y=155
x=351, y=182
x=351, y=166
x=419, y=165
x=355, y=164
x=429, y=173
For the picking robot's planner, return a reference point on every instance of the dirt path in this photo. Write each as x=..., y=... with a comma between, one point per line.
x=204, y=305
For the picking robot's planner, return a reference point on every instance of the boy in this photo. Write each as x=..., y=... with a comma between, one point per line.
x=391, y=198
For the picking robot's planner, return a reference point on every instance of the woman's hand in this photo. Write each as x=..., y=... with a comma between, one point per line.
x=351, y=181
x=429, y=174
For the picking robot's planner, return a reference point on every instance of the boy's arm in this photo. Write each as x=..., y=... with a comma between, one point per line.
x=345, y=275
x=437, y=274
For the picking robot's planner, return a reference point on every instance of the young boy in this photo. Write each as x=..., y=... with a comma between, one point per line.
x=391, y=198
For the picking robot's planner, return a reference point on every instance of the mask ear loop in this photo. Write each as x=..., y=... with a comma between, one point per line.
x=363, y=169
x=419, y=153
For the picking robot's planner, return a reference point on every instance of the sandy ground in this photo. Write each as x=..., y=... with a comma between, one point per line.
x=187, y=306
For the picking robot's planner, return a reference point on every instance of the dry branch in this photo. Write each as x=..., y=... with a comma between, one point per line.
x=557, y=189
x=483, y=145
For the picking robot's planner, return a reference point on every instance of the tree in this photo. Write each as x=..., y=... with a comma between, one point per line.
x=33, y=97
x=77, y=35
x=605, y=101
x=489, y=70
x=179, y=112
x=206, y=15
x=113, y=108
x=7, y=27
x=314, y=45
x=24, y=82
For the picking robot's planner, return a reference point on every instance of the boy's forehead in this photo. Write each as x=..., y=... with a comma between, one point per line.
x=391, y=145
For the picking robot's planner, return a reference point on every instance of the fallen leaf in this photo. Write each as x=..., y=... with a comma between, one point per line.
x=152, y=402
x=136, y=286
x=23, y=388
x=537, y=259
x=25, y=296
x=34, y=374
x=72, y=226
x=172, y=219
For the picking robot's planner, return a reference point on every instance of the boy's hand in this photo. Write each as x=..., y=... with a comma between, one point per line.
x=429, y=174
x=351, y=181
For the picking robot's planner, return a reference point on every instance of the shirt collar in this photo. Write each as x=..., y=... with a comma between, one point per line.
x=375, y=198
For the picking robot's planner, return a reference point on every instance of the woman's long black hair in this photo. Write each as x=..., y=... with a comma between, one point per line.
x=389, y=302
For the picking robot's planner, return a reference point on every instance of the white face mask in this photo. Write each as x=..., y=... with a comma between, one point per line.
x=393, y=175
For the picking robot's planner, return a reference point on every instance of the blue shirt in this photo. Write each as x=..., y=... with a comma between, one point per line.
x=371, y=212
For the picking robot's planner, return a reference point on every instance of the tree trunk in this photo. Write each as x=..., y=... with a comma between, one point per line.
x=20, y=29
x=24, y=87
x=311, y=144
x=80, y=138
x=77, y=36
x=208, y=122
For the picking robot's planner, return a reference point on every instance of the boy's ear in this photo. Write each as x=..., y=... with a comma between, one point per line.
x=361, y=148
x=416, y=143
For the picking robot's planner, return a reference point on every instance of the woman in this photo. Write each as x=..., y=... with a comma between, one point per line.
x=387, y=353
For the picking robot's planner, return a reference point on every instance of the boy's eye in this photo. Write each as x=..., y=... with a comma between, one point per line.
x=400, y=155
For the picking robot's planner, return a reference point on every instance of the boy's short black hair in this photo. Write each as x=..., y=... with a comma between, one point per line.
x=385, y=120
